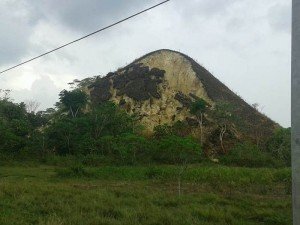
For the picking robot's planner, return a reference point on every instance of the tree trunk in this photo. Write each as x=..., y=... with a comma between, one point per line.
x=200, y=122
x=76, y=112
x=223, y=130
x=72, y=113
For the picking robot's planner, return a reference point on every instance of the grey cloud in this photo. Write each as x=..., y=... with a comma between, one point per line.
x=88, y=15
x=280, y=17
x=227, y=36
x=18, y=20
x=235, y=24
x=204, y=8
x=16, y=25
x=43, y=90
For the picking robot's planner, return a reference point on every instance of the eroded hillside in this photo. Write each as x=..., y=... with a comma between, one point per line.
x=160, y=87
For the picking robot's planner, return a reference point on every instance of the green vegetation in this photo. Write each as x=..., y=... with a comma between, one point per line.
x=224, y=116
x=280, y=145
x=144, y=195
x=198, y=109
x=104, y=132
x=90, y=164
x=249, y=155
x=110, y=135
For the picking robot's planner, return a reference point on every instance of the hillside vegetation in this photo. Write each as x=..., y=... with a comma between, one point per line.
x=89, y=160
x=106, y=134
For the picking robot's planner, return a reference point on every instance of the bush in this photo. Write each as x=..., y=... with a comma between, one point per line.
x=176, y=150
x=179, y=128
x=80, y=135
x=153, y=172
x=279, y=145
x=125, y=149
x=131, y=149
x=249, y=155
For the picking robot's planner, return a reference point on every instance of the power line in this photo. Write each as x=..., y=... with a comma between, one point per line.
x=88, y=35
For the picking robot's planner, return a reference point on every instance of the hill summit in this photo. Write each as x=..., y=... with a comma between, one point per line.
x=161, y=86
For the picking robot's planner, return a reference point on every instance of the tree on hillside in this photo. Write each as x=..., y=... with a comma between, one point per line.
x=10, y=110
x=108, y=119
x=257, y=124
x=16, y=126
x=80, y=135
x=73, y=101
x=279, y=145
x=179, y=128
x=61, y=136
x=198, y=109
x=223, y=115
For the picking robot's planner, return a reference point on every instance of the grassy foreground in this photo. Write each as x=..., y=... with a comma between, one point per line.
x=47, y=195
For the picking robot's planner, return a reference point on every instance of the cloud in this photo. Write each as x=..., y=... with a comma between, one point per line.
x=244, y=43
x=85, y=16
x=16, y=25
x=43, y=90
x=280, y=16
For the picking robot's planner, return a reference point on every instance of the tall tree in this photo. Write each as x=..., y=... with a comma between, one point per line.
x=223, y=115
x=73, y=101
x=198, y=109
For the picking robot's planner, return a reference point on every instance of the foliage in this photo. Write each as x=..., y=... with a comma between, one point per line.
x=105, y=134
x=16, y=126
x=131, y=149
x=82, y=135
x=198, y=107
x=73, y=101
x=128, y=149
x=176, y=150
x=223, y=112
x=108, y=119
x=249, y=155
x=224, y=116
x=161, y=131
x=179, y=128
x=279, y=145
x=144, y=195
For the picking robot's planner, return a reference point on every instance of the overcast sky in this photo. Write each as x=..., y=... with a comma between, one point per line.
x=245, y=43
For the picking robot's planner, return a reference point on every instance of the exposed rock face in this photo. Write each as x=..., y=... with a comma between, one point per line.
x=137, y=82
x=160, y=86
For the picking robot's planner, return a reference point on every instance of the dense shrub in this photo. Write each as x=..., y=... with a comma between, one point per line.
x=127, y=149
x=279, y=145
x=105, y=134
x=176, y=150
x=179, y=128
x=249, y=155
x=83, y=135
x=16, y=127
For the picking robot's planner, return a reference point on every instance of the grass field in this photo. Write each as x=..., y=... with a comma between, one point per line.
x=48, y=195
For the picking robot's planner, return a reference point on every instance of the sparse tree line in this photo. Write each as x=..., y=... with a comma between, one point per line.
x=112, y=136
